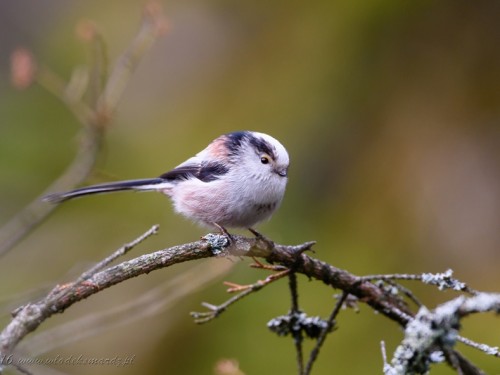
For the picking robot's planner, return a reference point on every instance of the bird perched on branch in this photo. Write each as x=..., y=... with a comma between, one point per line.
x=237, y=181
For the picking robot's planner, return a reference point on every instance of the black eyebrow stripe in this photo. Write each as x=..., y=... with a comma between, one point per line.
x=263, y=146
x=234, y=141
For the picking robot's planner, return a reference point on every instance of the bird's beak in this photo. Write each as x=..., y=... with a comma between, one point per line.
x=283, y=172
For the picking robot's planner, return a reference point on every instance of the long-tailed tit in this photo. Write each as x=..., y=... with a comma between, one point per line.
x=237, y=181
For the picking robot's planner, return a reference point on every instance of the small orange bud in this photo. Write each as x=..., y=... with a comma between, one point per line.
x=228, y=367
x=153, y=10
x=22, y=68
x=86, y=30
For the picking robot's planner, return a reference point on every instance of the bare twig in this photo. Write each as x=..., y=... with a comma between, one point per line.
x=295, y=311
x=490, y=350
x=118, y=253
x=245, y=290
x=216, y=310
x=152, y=302
x=29, y=317
x=387, y=366
x=36, y=211
x=407, y=292
x=393, y=276
x=443, y=280
x=153, y=24
x=93, y=116
x=326, y=330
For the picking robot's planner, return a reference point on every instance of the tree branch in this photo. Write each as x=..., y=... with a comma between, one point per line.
x=27, y=318
x=94, y=116
x=158, y=300
x=416, y=352
x=389, y=305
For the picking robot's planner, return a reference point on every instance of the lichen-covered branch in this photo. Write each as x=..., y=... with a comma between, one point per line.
x=430, y=335
x=27, y=318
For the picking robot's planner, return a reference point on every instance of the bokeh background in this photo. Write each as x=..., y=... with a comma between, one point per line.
x=390, y=111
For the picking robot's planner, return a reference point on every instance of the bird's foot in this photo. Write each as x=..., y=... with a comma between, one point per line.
x=225, y=233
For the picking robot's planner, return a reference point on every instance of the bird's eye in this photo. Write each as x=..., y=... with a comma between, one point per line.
x=264, y=159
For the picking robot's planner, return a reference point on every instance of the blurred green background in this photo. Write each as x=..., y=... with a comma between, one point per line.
x=390, y=111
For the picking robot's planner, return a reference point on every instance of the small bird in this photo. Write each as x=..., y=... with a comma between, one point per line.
x=237, y=181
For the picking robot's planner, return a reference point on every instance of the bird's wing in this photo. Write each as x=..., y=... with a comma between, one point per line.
x=193, y=167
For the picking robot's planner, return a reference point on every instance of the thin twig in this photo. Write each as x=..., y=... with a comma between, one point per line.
x=36, y=211
x=295, y=311
x=93, y=117
x=443, y=280
x=152, y=302
x=407, y=292
x=490, y=350
x=58, y=87
x=393, y=276
x=118, y=253
x=99, y=64
x=216, y=310
x=152, y=25
x=324, y=333
x=387, y=369
x=30, y=316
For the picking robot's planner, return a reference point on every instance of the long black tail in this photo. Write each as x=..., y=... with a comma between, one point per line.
x=144, y=185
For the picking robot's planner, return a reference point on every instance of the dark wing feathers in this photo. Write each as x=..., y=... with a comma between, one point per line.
x=212, y=171
x=182, y=172
x=205, y=172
